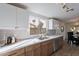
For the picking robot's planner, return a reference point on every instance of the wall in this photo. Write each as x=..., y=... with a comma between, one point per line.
x=8, y=21
x=64, y=32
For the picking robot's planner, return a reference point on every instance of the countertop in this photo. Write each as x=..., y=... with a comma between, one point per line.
x=25, y=43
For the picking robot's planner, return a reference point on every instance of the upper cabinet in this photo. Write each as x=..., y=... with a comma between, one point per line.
x=53, y=24
x=7, y=15
x=50, y=24
x=21, y=18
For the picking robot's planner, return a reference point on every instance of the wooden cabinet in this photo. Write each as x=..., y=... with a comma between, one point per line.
x=50, y=47
x=44, y=48
x=18, y=52
x=29, y=50
x=47, y=48
x=33, y=50
x=36, y=50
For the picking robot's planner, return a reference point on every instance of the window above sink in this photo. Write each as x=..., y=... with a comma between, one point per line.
x=37, y=25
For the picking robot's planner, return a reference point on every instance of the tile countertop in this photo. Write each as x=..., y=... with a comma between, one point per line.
x=24, y=43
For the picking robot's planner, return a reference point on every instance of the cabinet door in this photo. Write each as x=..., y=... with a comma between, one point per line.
x=7, y=15
x=36, y=50
x=44, y=48
x=47, y=48
x=29, y=51
x=33, y=50
x=21, y=18
x=50, y=47
x=18, y=52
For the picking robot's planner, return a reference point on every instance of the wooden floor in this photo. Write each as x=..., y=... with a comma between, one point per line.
x=67, y=50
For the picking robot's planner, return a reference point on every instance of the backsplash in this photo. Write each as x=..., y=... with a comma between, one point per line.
x=5, y=33
x=19, y=34
x=51, y=32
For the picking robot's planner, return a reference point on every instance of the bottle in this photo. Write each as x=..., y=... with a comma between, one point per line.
x=13, y=39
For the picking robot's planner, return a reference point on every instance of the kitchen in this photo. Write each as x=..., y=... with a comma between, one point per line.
x=25, y=29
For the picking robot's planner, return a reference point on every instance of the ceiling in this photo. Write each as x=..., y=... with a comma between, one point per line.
x=54, y=10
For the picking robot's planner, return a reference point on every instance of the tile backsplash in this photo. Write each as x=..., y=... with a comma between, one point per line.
x=5, y=33
x=20, y=34
x=51, y=32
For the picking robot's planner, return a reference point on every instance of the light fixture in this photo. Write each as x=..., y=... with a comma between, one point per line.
x=73, y=29
x=66, y=7
x=76, y=23
x=77, y=30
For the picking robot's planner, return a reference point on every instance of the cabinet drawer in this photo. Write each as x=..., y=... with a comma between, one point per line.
x=17, y=52
x=28, y=48
x=36, y=46
x=44, y=43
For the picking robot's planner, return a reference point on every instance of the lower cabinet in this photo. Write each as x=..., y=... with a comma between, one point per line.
x=29, y=51
x=50, y=47
x=41, y=49
x=18, y=52
x=44, y=48
x=33, y=50
x=36, y=50
x=47, y=48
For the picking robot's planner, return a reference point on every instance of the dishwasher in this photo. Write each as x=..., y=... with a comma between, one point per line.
x=56, y=44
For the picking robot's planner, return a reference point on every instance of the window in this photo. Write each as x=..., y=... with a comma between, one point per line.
x=37, y=25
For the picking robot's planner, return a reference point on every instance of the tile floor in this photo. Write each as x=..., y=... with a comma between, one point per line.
x=67, y=50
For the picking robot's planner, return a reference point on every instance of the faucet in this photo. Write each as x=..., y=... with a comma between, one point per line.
x=41, y=37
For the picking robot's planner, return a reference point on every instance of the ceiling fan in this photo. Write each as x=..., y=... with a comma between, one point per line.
x=66, y=7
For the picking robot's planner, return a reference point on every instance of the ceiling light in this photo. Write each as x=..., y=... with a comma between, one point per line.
x=66, y=7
